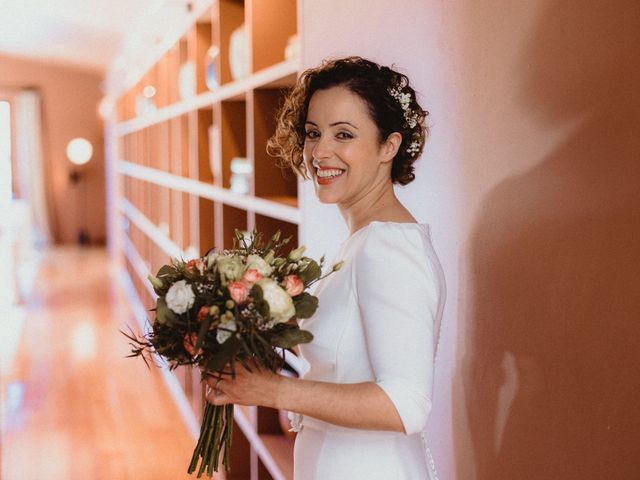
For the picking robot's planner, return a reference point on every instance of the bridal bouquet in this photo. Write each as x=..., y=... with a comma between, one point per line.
x=230, y=306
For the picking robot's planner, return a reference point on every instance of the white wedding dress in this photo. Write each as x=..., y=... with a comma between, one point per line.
x=378, y=321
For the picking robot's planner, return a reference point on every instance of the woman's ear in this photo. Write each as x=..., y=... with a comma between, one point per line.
x=390, y=146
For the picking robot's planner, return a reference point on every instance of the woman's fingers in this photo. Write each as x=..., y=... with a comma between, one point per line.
x=217, y=398
x=211, y=380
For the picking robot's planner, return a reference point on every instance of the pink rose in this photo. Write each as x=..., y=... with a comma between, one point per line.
x=238, y=291
x=196, y=264
x=251, y=276
x=293, y=285
x=189, y=344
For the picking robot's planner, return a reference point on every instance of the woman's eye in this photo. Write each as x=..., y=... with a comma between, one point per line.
x=312, y=134
x=344, y=135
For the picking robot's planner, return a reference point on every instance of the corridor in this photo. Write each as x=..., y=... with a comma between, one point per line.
x=73, y=407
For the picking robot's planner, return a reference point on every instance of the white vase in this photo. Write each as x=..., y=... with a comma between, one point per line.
x=187, y=80
x=239, y=53
x=215, y=162
x=241, y=171
x=292, y=50
x=211, y=70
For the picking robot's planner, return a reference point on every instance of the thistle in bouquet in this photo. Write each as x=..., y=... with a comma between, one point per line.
x=229, y=306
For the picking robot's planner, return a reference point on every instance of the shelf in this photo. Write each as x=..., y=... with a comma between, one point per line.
x=270, y=180
x=289, y=200
x=138, y=264
x=233, y=137
x=149, y=229
x=281, y=75
x=275, y=209
x=171, y=159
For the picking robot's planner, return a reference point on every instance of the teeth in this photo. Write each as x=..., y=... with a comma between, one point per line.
x=329, y=173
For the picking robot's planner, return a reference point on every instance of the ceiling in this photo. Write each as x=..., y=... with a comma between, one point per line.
x=83, y=33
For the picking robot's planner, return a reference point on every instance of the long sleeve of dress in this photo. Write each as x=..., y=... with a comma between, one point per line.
x=399, y=296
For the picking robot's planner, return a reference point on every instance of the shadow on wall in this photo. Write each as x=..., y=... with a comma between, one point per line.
x=551, y=374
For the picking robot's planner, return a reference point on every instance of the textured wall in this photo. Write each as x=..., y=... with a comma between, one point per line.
x=530, y=184
x=69, y=108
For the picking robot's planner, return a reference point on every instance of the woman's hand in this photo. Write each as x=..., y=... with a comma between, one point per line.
x=255, y=387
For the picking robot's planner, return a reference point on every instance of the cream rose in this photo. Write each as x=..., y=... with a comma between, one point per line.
x=211, y=259
x=280, y=302
x=259, y=263
x=230, y=268
x=180, y=297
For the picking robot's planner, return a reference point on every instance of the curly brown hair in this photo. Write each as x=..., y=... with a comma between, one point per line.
x=390, y=99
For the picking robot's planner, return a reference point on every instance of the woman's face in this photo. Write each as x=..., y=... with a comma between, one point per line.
x=342, y=149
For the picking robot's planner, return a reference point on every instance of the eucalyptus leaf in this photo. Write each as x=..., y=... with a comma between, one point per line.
x=166, y=270
x=305, y=305
x=311, y=273
x=164, y=315
x=290, y=337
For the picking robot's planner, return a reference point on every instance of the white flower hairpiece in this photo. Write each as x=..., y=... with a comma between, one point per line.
x=413, y=148
x=410, y=116
x=404, y=99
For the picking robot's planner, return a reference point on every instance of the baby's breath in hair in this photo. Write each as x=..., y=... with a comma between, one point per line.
x=411, y=116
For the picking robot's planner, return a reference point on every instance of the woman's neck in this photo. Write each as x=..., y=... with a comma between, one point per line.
x=380, y=204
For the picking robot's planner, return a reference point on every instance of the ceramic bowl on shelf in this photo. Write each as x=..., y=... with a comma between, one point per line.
x=211, y=69
x=239, y=53
x=187, y=80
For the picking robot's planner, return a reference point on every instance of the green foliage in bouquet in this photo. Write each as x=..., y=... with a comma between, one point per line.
x=225, y=307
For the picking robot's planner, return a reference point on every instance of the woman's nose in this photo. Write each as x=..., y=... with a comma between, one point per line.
x=322, y=148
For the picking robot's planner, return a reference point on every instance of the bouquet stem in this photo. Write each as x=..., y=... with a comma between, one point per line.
x=215, y=437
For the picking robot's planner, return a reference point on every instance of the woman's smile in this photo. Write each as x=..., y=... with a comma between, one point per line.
x=326, y=176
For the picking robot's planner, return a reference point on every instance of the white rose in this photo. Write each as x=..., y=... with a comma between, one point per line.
x=211, y=259
x=229, y=327
x=280, y=303
x=230, y=267
x=180, y=297
x=257, y=262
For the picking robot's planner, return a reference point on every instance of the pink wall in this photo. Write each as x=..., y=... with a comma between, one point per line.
x=69, y=99
x=530, y=184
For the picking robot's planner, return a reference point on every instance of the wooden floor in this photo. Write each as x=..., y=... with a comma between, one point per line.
x=72, y=406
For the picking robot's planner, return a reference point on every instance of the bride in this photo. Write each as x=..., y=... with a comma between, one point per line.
x=355, y=128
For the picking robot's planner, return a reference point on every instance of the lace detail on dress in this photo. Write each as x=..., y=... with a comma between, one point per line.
x=295, y=419
x=433, y=474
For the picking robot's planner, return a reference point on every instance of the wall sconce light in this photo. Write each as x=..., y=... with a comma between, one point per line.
x=79, y=152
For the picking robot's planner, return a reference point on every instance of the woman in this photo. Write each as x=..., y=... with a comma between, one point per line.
x=355, y=128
